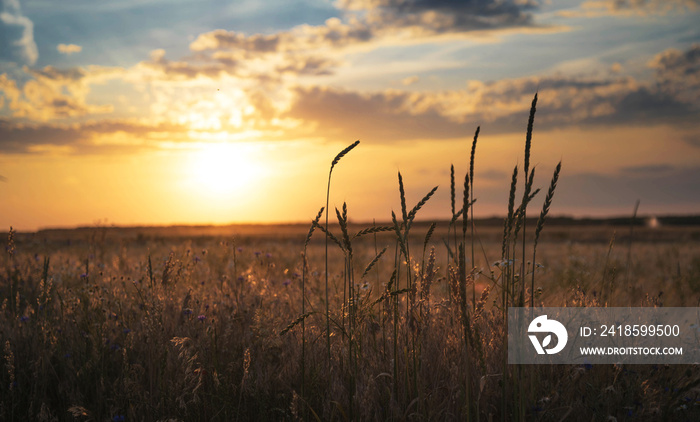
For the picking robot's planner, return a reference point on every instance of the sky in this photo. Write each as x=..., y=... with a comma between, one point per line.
x=143, y=112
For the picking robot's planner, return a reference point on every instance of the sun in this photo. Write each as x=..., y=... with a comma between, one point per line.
x=225, y=169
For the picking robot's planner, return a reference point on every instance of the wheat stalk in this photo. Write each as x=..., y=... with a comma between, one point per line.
x=471, y=178
x=373, y=263
x=419, y=205
x=540, y=225
x=508, y=223
x=335, y=161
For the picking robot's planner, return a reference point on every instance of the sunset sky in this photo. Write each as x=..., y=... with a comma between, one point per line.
x=133, y=112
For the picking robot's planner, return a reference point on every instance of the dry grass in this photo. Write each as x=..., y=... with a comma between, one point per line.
x=108, y=342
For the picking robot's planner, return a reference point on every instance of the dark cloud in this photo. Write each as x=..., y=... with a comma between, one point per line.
x=21, y=138
x=16, y=34
x=72, y=74
x=693, y=140
x=672, y=96
x=183, y=70
x=666, y=190
x=443, y=16
x=231, y=40
x=677, y=73
x=493, y=175
x=303, y=38
x=650, y=6
x=380, y=117
x=648, y=169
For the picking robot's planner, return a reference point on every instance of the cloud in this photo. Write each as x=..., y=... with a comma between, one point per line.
x=303, y=38
x=677, y=73
x=382, y=117
x=230, y=40
x=160, y=68
x=596, y=8
x=368, y=20
x=307, y=65
x=444, y=16
x=672, y=188
x=69, y=48
x=648, y=169
x=52, y=93
x=410, y=80
x=671, y=97
x=365, y=25
x=693, y=140
x=16, y=34
x=257, y=97
x=84, y=137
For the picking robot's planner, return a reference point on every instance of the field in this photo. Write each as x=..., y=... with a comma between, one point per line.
x=334, y=320
x=185, y=323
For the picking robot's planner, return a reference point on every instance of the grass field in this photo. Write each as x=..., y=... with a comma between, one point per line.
x=401, y=320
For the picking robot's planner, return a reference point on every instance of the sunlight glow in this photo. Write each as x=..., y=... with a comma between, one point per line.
x=223, y=170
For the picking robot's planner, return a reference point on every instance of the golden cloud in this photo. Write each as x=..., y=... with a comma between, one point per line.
x=69, y=48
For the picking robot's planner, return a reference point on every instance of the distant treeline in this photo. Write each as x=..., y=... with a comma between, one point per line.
x=642, y=220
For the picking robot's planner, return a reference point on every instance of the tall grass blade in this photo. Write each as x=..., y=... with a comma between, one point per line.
x=471, y=178
x=540, y=225
x=335, y=161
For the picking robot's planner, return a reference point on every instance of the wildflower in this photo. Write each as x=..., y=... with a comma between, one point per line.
x=187, y=312
x=202, y=318
x=257, y=253
x=118, y=418
x=287, y=282
x=24, y=318
x=126, y=331
x=268, y=255
x=196, y=259
x=504, y=263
